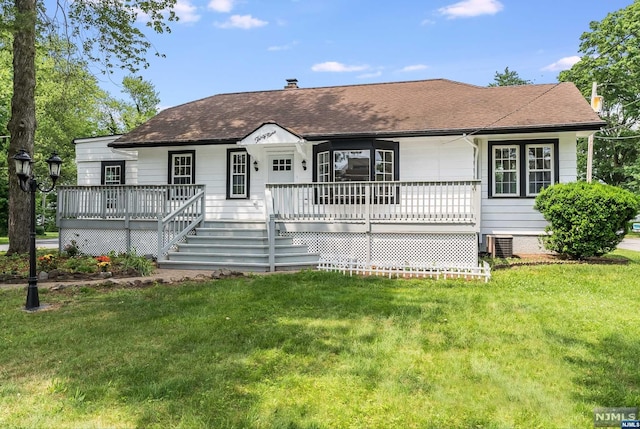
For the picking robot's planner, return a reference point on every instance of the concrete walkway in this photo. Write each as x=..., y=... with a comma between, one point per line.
x=630, y=243
x=41, y=243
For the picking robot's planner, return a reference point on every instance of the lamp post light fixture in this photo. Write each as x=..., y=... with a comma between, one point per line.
x=28, y=183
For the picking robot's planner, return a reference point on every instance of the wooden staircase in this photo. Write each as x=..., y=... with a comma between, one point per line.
x=240, y=245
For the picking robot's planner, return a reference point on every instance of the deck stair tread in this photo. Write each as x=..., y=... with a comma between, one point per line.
x=240, y=245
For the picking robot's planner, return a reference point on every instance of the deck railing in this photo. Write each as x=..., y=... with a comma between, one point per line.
x=137, y=212
x=431, y=202
x=123, y=201
x=174, y=227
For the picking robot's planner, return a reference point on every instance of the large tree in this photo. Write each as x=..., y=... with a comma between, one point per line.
x=508, y=78
x=108, y=33
x=69, y=104
x=611, y=58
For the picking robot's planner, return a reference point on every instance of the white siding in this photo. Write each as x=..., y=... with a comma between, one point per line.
x=90, y=152
x=211, y=171
x=516, y=216
x=442, y=158
x=420, y=159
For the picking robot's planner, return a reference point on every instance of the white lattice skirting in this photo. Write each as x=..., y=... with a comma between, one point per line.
x=102, y=241
x=396, y=254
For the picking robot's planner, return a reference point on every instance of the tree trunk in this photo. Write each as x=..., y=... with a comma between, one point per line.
x=22, y=124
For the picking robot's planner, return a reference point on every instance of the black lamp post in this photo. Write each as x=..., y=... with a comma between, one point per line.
x=28, y=183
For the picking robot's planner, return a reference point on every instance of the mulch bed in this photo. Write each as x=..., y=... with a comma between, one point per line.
x=549, y=259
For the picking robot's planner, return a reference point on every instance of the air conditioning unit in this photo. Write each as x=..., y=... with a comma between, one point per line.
x=500, y=246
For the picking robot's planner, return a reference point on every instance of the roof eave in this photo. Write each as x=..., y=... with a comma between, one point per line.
x=576, y=127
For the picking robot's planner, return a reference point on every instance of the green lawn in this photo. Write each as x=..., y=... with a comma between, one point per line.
x=537, y=347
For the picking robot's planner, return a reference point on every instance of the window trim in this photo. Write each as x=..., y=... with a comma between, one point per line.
x=171, y=154
x=523, y=165
x=247, y=175
x=105, y=164
x=387, y=195
x=371, y=145
x=517, y=171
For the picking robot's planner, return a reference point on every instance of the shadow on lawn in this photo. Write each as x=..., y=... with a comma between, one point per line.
x=608, y=373
x=211, y=353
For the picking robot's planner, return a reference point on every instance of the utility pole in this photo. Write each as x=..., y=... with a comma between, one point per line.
x=596, y=105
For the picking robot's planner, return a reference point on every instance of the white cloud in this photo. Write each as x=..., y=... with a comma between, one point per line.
x=427, y=21
x=222, y=6
x=282, y=47
x=333, y=66
x=370, y=75
x=415, y=67
x=562, y=64
x=245, y=22
x=186, y=11
x=470, y=8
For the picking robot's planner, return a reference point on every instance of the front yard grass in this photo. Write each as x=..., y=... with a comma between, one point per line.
x=537, y=347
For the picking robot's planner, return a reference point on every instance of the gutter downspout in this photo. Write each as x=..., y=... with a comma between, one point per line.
x=476, y=155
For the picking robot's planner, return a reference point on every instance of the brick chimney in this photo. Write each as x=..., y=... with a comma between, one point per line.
x=291, y=84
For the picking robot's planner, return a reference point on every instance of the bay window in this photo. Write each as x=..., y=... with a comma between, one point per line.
x=343, y=162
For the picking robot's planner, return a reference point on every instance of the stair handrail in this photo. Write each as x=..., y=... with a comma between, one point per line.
x=194, y=208
x=271, y=227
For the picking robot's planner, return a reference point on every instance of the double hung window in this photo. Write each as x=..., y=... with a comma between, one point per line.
x=182, y=171
x=522, y=168
x=237, y=174
x=112, y=173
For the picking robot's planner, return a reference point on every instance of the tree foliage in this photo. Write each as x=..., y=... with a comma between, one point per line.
x=69, y=104
x=106, y=33
x=508, y=78
x=120, y=116
x=611, y=57
x=586, y=219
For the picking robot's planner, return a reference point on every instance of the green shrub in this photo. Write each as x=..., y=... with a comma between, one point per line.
x=81, y=264
x=140, y=264
x=585, y=219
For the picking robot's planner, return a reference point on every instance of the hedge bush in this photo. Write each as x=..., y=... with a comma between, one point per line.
x=585, y=219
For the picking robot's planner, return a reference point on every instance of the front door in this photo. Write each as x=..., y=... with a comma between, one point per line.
x=281, y=168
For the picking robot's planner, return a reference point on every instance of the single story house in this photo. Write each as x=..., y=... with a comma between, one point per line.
x=419, y=175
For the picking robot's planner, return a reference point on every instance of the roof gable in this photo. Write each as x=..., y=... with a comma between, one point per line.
x=270, y=133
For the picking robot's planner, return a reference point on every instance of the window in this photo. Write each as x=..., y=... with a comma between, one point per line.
x=356, y=161
x=505, y=163
x=182, y=168
x=112, y=173
x=385, y=172
x=182, y=171
x=323, y=167
x=384, y=165
x=238, y=173
x=540, y=170
x=281, y=164
x=522, y=168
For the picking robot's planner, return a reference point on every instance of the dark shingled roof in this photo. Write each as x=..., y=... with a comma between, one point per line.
x=429, y=107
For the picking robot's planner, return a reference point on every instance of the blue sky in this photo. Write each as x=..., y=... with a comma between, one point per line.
x=222, y=46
